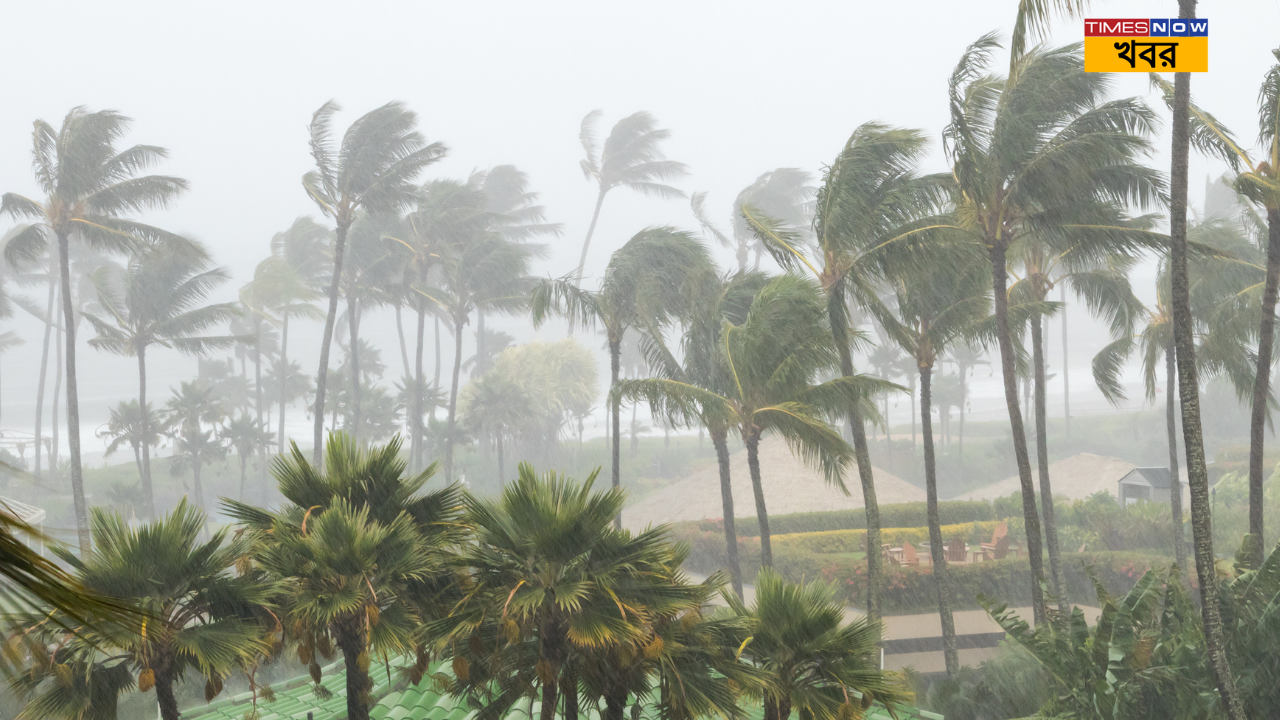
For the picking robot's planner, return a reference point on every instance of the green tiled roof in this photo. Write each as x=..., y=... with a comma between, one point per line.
x=295, y=698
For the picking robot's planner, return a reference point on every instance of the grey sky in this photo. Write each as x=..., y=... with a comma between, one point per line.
x=744, y=86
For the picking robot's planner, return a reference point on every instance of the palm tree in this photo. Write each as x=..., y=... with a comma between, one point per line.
x=366, y=282
x=496, y=404
x=155, y=300
x=644, y=283
x=352, y=548
x=631, y=157
x=128, y=426
x=201, y=613
x=814, y=662
x=297, y=274
x=937, y=305
x=194, y=406
x=546, y=565
x=372, y=170
x=872, y=209
x=1027, y=161
x=718, y=300
x=88, y=187
x=785, y=194
x=773, y=359
x=247, y=435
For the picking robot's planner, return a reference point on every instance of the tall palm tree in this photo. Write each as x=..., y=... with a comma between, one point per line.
x=366, y=282
x=786, y=194
x=815, y=663
x=88, y=187
x=644, y=283
x=247, y=435
x=773, y=359
x=631, y=157
x=1028, y=161
x=872, y=210
x=718, y=300
x=155, y=300
x=190, y=416
x=299, y=267
x=372, y=169
x=201, y=612
x=353, y=547
x=938, y=305
x=128, y=426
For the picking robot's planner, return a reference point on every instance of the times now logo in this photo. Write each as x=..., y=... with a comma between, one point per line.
x=1146, y=27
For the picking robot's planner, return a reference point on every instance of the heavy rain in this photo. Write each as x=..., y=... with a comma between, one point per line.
x=661, y=361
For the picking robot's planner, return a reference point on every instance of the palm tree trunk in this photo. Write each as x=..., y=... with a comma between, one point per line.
x=73, y=396
x=243, y=463
x=1066, y=381
x=415, y=442
x=964, y=400
x=1262, y=387
x=436, y=380
x=57, y=391
x=615, y=409
x=912, y=388
x=148, y=494
x=453, y=397
x=1188, y=387
x=353, y=331
x=257, y=406
x=165, y=697
x=44, y=368
x=591, y=229
x=352, y=642
x=339, y=246
x=282, y=374
x=1008, y=369
x=839, y=331
x=502, y=470
x=1042, y=459
x=720, y=440
x=752, y=440
x=196, y=486
x=569, y=691
x=404, y=349
x=937, y=551
x=1171, y=428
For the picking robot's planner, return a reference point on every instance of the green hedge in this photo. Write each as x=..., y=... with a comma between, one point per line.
x=908, y=590
x=842, y=541
x=899, y=515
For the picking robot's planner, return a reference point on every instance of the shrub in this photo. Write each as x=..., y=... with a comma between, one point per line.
x=839, y=541
x=899, y=515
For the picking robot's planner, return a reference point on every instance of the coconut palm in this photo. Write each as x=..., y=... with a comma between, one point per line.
x=372, y=170
x=937, y=306
x=772, y=360
x=189, y=418
x=815, y=663
x=549, y=581
x=298, y=270
x=155, y=300
x=366, y=282
x=1029, y=162
x=200, y=615
x=644, y=283
x=872, y=209
x=631, y=157
x=351, y=547
x=247, y=435
x=128, y=426
x=88, y=187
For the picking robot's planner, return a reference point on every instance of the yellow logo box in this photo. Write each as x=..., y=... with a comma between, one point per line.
x=1146, y=54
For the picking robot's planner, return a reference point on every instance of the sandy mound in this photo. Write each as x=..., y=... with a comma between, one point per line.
x=789, y=487
x=1076, y=477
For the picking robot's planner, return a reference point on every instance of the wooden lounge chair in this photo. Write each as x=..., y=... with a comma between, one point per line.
x=999, y=551
x=957, y=550
x=1001, y=532
x=909, y=557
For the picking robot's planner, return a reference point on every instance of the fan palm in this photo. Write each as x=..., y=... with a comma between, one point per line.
x=644, y=283
x=193, y=407
x=201, y=614
x=631, y=157
x=128, y=426
x=88, y=186
x=872, y=209
x=155, y=300
x=297, y=275
x=772, y=360
x=247, y=435
x=371, y=169
x=1027, y=162
x=938, y=305
x=814, y=663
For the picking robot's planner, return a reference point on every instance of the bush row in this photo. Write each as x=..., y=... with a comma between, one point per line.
x=899, y=515
x=839, y=541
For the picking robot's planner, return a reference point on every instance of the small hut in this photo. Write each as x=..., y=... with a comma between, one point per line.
x=1145, y=484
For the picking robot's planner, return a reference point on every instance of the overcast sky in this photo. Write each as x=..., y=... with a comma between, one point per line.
x=744, y=87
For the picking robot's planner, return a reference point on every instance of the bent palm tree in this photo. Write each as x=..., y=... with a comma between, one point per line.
x=155, y=300
x=630, y=158
x=372, y=169
x=297, y=274
x=88, y=187
x=1040, y=152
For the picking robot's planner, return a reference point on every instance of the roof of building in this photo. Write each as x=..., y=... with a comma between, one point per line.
x=295, y=698
x=1156, y=477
